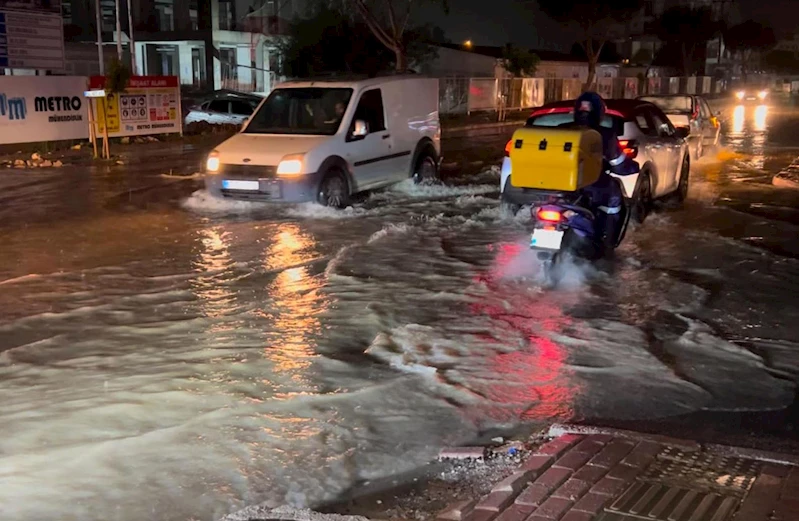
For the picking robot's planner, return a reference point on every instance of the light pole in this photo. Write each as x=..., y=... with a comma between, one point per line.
x=132, y=43
x=119, y=33
x=99, y=21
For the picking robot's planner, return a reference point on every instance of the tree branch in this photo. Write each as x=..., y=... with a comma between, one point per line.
x=391, y=19
x=374, y=25
x=407, y=17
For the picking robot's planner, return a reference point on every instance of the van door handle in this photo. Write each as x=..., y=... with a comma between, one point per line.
x=386, y=136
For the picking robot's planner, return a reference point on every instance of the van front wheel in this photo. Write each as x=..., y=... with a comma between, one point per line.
x=333, y=191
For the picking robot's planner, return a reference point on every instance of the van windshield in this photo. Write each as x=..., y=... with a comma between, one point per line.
x=312, y=111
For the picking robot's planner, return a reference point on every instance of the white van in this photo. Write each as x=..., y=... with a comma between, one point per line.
x=325, y=140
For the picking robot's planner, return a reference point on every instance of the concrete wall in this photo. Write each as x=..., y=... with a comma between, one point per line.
x=451, y=62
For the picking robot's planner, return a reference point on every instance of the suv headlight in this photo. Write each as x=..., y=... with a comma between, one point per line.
x=212, y=163
x=290, y=165
x=762, y=94
x=740, y=94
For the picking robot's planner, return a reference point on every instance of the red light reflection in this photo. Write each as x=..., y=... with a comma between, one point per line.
x=535, y=381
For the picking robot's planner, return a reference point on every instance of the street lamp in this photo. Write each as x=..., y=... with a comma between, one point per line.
x=467, y=44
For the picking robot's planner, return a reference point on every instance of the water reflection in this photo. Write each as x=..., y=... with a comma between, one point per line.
x=211, y=265
x=293, y=304
x=535, y=380
x=738, y=118
x=749, y=134
x=760, y=118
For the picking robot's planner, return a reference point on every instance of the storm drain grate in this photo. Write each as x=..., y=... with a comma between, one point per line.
x=658, y=502
x=703, y=471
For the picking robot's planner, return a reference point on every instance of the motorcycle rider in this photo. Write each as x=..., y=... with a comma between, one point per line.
x=605, y=193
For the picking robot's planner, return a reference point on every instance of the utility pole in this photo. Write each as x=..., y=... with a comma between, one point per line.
x=99, y=22
x=132, y=43
x=119, y=33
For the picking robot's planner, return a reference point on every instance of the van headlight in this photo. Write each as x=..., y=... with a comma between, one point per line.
x=740, y=94
x=290, y=165
x=212, y=163
x=762, y=94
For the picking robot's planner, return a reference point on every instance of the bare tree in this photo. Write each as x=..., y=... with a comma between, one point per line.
x=389, y=21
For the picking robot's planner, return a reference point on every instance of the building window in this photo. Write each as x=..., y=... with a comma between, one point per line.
x=226, y=21
x=166, y=16
x=229, y=66
x=66, y=12
x=108, y=10
x=194, y=18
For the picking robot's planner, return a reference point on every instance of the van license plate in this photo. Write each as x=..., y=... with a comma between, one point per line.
x=546, y=239
x=230, y=184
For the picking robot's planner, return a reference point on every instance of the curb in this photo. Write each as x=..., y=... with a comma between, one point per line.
x=782, y=179
x=481, y=128
x=782, y=182
x=557, y=430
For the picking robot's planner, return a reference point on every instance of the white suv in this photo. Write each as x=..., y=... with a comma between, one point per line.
x=325, y=140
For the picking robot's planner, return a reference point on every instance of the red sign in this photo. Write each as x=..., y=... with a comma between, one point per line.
x=138, y=82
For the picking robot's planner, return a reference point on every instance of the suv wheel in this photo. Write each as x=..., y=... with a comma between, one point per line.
x=682, y=188
x=642, y=202
x=334, y=191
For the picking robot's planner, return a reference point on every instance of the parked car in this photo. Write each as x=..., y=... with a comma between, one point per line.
x=693, y=113
x=646, y=135
x=224, y=109
x=324, y=140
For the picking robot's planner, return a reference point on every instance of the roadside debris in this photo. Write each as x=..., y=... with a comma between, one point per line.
x=36, y=161
x=788, y=177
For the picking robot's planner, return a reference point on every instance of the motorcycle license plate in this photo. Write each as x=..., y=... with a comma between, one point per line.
x=546, y=239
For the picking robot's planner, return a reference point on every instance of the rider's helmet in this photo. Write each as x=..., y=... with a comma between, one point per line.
x=589, y=109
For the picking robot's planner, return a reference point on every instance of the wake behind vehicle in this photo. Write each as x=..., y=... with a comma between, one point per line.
x=647, y=136
x=325, y=140
x=557, y=163
x=692, y=113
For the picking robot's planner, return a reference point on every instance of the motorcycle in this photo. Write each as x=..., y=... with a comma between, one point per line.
x=565, y=225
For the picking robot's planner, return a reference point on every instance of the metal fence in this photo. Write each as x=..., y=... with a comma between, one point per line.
x=459, y=95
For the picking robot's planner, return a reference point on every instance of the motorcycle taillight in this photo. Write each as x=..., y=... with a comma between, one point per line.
x=547, y=215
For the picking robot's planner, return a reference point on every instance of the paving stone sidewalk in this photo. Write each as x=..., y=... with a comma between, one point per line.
x=622, y=476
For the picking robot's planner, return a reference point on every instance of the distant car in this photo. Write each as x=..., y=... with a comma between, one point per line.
x=646, y=135
x=324, y=140
x=225, y=109
x=751, y=94
x=693, y=113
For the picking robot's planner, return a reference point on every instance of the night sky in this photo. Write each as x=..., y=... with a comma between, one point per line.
x=496, y=22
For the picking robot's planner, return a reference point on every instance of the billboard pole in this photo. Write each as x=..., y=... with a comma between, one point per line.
x=99, y=22
x=132, y=43
x=119, y=34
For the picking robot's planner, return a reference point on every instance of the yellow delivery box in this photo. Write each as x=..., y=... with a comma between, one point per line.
x=555, y=158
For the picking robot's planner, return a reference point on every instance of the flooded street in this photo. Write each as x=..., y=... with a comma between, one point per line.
x=168, y=356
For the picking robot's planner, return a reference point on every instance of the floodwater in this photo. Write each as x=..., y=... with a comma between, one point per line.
x=167, y=356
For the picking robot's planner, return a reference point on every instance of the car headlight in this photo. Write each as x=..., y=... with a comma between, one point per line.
x=212, y=163
x=290, y=165
x=740, y=94
x=762, y=94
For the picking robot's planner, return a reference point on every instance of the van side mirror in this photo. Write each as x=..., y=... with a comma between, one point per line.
x=360, y=129
x=682, y=132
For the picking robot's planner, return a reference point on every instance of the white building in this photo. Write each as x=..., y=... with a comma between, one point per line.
x=206, y=43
